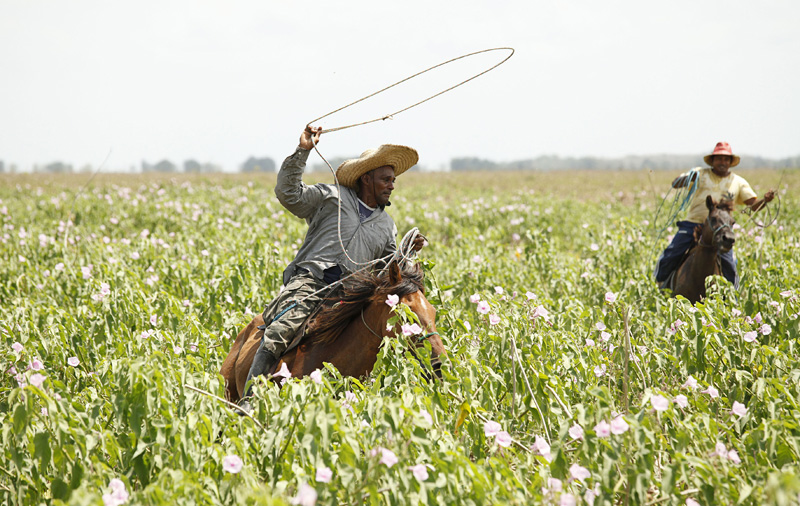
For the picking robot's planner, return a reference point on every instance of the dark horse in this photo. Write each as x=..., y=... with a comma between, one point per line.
x=347, y=334
x=715, y=237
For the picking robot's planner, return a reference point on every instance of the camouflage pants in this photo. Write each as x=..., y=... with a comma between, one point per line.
x=291, y=307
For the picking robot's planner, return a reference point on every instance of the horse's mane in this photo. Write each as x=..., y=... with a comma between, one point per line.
x=725, y=205
x=359, y=291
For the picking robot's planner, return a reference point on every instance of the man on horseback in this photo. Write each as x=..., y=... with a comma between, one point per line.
x=719, y=182
x=348, y=228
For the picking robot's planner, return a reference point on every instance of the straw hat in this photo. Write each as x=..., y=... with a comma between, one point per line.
x=401, y=158
x=722, y=148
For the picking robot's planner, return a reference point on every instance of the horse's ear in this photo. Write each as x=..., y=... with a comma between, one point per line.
x=395, y=276
x=710, y=202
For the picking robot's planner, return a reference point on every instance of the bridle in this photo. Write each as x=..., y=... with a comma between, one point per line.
x=419, y=339
x=714, y=232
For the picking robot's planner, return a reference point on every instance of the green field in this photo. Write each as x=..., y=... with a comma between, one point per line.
x=106, y=320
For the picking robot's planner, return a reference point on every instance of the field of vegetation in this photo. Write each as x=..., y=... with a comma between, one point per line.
x=569, y=379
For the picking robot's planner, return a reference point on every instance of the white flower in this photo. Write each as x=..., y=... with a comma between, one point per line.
x=73, y=361
x=579, y=473
x=306, y=496
x=503, y=439
x=738, y=409
x=316, y=376
x=681, y=401
x=232, y=464
x=750, y=337
x=576, y=432
x=420, y=472
x=659, y=402
x=491, y=428
x=711, y=391
x=611, y=297
x=324, y=474
x=691, y=383
x=392, y=300
x=283, y=372
x=619, y=425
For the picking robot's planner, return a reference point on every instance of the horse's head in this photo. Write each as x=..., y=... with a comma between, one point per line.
x=718, y=227
x=409, y=285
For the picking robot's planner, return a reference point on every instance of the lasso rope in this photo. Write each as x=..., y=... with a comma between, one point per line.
x=391, y=115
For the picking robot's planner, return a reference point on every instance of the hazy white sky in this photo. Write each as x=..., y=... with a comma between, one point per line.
x=219, y=81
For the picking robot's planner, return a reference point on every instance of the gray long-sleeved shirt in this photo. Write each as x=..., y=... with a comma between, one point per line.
x=319, y=205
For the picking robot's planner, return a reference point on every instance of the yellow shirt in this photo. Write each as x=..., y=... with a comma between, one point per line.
x=730, y=187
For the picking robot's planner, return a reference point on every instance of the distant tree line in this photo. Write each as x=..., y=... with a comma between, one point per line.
x=632, y=162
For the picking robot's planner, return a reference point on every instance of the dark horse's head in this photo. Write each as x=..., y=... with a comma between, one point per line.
x=718, y=227
x=364, y=298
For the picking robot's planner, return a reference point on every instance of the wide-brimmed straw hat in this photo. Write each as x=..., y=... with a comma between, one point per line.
x=401, y=158
x=723, y=148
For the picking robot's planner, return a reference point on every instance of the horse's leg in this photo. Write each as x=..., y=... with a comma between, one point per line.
x=229, y=369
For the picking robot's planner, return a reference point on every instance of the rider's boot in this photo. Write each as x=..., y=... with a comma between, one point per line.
x=262, y=362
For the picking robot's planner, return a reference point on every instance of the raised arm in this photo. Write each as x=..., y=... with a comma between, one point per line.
x=300, y=199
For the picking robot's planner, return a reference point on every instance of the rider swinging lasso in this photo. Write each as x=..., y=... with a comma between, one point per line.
x=720, y=183
x=348, y=228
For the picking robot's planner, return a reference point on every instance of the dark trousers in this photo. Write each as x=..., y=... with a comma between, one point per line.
x=284, y=316
x=670, y=260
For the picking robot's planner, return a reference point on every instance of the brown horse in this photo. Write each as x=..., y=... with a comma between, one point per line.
x=347, y=334
x=714, y=238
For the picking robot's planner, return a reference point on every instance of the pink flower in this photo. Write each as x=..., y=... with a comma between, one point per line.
x=306, y=496
x=602, y=429
x=765, y=329
x=118, y=494
x=37, y=379
x=498, y=290
x=542, y=447
x=37, y=365
x=720, y=450
x=750, y=337
x=283, y=372
x=576, y=432
x=735, y=312
x=691, y=383
x=420, y=472
x=553, y=484
x=691, y=502
x=426, y=416
x=738, y=409
x=579, y=473
x=589, y=342
x=494, y=319
x=540, y=311
x=600, y=370
x=154, y=320
x=605, y=336
x=17, y=347
x=483, y=307
x=594, y=247
x=232, y=464
x=787, y=293
x=530, y=295
x=410, y=330
x=659, y=402
x=324, y=474
x=681, y=401
x=600, y=326
x=491, y=428
x=611, y=297
x=392, y=300
x=619, y=425
x=711, y=391
x=567, y=500
x=316, y=376
x=675, y=326
x=349, y=399
x=73, y=361
x=733, y=456
x=388, y=458
x=503, y=439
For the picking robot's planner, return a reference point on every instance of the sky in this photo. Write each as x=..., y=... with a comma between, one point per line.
x=220, y=81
